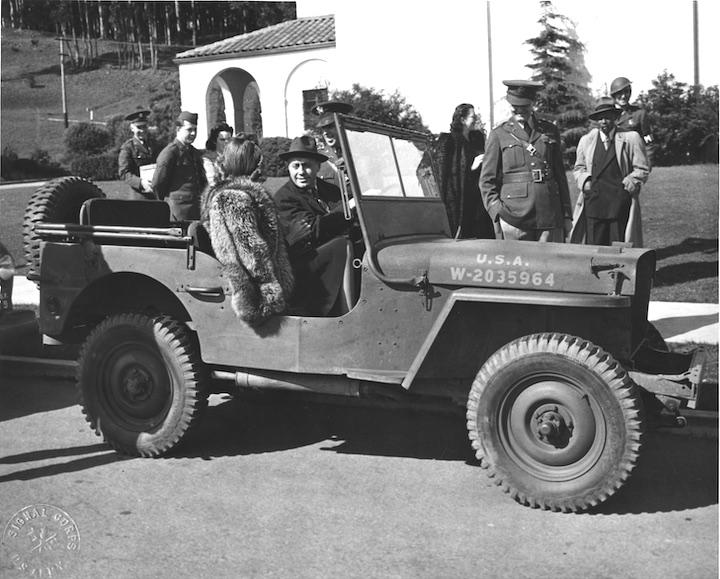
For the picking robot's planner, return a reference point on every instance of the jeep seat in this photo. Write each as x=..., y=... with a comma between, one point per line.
x=125, y=212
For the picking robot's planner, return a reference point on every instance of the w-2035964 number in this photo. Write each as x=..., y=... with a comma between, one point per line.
x=503, y=276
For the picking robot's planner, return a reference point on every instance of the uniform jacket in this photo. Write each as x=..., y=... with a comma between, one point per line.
x=133, y=155
x=247, y=238
x=180, y=177
x=635, y=119
x=630, y=153
x=321, y=208
x=506, y=182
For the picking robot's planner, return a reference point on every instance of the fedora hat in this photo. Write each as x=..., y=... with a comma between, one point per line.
x=303, y=147
x=522, y=92
x=604, y=106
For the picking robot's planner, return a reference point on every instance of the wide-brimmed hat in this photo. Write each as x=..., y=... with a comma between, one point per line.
x=522, y=92
x=604, y=106
x=303, y=147
x=619, y=84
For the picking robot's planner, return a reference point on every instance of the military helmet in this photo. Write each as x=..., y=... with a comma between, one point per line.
x=619, y=84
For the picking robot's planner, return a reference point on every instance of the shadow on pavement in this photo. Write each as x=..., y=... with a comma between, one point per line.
x=76, y=465
x=675, y=473
x=24, y=396
x=274, y=423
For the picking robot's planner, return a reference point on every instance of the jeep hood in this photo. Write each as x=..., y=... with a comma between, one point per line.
x=555, y=267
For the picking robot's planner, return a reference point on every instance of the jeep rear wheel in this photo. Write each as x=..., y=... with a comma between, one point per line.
x=141, y=383
x=556, y=421
x=58, y=201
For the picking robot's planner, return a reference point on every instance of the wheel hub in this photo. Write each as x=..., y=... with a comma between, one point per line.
x=552, y=427
x=137, y=384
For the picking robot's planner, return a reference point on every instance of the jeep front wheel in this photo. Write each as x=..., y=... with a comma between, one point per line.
x=556, y=421
x=141, y=382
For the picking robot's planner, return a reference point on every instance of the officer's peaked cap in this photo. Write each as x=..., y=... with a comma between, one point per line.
x=522, y=92
x=619, y=84
x=138, y=117
x=332, y=107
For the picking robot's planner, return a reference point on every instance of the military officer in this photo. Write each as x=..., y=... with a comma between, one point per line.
x=632, y=117
x=328, y=143
x=180, y=178
x=136, y=152
x=523, y=182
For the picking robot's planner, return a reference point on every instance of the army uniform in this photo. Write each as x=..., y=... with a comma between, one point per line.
x=632, y=117
x=523, y=180
x=179, y=179
x=133, y=155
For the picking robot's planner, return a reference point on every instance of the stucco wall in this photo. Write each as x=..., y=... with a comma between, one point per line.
x=280, y=78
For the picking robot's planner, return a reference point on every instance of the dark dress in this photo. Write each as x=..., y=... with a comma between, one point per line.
x=459, y=185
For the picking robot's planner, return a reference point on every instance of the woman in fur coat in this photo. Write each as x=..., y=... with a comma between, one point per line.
x=242, y=221
x=460, y=158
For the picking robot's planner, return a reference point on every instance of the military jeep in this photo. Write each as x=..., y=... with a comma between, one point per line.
x=547, y=346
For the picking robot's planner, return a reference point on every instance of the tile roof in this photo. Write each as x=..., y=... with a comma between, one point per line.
x=303, y=33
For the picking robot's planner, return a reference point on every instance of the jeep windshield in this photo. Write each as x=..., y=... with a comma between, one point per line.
x=391, y=175
x=389, y=166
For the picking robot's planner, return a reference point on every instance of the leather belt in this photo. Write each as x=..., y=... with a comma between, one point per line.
x=534, y=176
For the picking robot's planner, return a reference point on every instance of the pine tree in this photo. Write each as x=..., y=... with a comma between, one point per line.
x=559, y=63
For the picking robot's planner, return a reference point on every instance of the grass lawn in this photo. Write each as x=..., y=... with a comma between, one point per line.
x=31, y=91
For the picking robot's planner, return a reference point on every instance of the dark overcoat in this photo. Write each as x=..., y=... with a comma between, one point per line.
x=179, y=179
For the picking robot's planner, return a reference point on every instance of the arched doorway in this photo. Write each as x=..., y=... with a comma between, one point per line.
x=233, y=96
x=307, y=81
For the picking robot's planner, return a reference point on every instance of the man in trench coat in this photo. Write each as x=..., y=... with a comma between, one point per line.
x=610, y=168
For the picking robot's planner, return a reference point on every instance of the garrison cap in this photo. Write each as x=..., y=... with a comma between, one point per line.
x=191, y=118
x=604, y=105
x=522, y=92
x=138, y=117
x=620, y=83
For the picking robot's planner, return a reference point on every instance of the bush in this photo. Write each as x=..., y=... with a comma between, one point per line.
x=39, y=166
x=86, y=139
x=274, y=166
x=102, y=167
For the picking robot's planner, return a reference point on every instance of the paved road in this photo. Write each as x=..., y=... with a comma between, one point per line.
x=271, y=489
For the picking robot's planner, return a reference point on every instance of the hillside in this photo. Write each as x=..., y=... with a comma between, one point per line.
x=31, y=90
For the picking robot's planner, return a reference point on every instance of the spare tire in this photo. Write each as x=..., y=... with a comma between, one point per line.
x=58, y=201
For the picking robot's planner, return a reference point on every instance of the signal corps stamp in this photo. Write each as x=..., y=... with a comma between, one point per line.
x=40, y=540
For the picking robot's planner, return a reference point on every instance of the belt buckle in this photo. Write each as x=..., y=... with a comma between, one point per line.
x=537, y=175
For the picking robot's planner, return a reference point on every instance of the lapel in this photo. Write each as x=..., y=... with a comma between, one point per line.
x=607, y=159
x=536, y=133
x=620, y=144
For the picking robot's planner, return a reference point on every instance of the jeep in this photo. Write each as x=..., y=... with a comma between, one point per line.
x=547, y=346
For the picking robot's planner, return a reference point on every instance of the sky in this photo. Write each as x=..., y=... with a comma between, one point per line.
x=417, y=46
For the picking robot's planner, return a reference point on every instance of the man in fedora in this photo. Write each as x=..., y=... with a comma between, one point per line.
x=315, y=226
x=136, y=152
x=523, y=182
x=179, y=176
x=611, y=167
